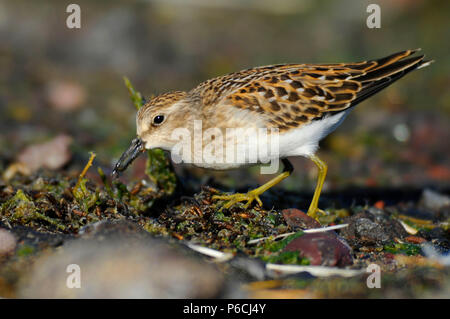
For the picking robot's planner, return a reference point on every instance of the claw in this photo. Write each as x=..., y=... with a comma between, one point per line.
x=239, y=197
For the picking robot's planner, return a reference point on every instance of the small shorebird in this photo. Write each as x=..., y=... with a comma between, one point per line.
x=304, y=102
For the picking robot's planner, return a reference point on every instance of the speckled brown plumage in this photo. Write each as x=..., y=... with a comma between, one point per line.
x=290, y=95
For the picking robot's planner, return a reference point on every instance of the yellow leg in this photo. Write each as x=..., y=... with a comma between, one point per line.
x=254, y=194
x=313, y=209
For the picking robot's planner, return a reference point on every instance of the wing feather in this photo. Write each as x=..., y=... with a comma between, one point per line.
x=290, y=95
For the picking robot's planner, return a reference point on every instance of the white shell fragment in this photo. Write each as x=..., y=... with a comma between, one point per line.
x=318, y=271
x=409, y=229
x=307, y=231
x=218, y=255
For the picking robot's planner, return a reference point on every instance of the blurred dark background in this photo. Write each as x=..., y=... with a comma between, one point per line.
x=55, y=80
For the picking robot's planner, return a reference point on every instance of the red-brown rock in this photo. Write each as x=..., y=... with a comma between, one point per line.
x=324, y=249
x=298, y=219
x=415, y=240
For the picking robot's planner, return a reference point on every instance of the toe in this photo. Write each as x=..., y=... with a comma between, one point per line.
x=259, y=201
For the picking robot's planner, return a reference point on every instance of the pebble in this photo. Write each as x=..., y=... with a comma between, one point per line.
x=66, y=96
x=325, y=249
x=415, y=240
x=371, y=229
x=7, y=242
x=53, y=154
x=298, y=219
x=121, y=268
x=370, y=232
x=434, y=200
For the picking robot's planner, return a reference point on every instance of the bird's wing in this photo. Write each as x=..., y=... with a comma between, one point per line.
x=290, y=95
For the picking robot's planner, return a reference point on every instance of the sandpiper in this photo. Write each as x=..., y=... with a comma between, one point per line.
x=303, y=102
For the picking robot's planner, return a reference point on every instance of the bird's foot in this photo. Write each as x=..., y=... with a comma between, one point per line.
x=239, y=197
x=314, y=213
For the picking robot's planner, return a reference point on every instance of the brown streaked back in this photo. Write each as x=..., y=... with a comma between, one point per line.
x=290, y=95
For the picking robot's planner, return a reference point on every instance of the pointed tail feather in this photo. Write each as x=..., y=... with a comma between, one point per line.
x=386, y=71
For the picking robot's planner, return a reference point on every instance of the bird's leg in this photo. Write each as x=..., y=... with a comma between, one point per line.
x=313, y=209
x=254, y=194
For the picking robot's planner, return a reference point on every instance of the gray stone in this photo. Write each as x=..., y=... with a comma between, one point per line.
x=122, y=268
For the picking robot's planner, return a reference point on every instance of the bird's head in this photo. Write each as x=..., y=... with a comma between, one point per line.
x=155, y=124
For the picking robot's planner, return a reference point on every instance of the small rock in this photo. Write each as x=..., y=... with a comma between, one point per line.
x=106, y=228
x=252, y=267
x=434, y=200
x=298, y=219
x=120, y=267
x=52, y=154
x=415, y=240
x=324, y=249
x=7, y=242
x=438, y=237
x=66, y=96
x=370, y=232
x=367, y=229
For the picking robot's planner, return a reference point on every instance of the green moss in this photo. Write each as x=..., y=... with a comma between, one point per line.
x=272, y=218
x=160, y=171
x=19, y=208
x=136, y=97
x=121, y=189
x=404, y=248
x=287, y=257
x=220, y=216
x=85, y=197
x=272, y=252
x=181, y=226
x=155, y=228
x=25, y=251
x=105, y=182
x=280, y=245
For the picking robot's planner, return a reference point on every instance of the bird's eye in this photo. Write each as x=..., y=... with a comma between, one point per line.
x=158, y=119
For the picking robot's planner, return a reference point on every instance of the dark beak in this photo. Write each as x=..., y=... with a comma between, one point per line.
x=135, y=149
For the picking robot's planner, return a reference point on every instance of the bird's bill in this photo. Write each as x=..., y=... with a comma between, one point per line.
x=135, y=149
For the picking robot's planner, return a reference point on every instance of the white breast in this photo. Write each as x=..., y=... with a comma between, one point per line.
x=304, y=141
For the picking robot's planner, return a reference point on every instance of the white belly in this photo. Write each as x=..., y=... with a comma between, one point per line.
x=304, y=141
x=229, y=154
